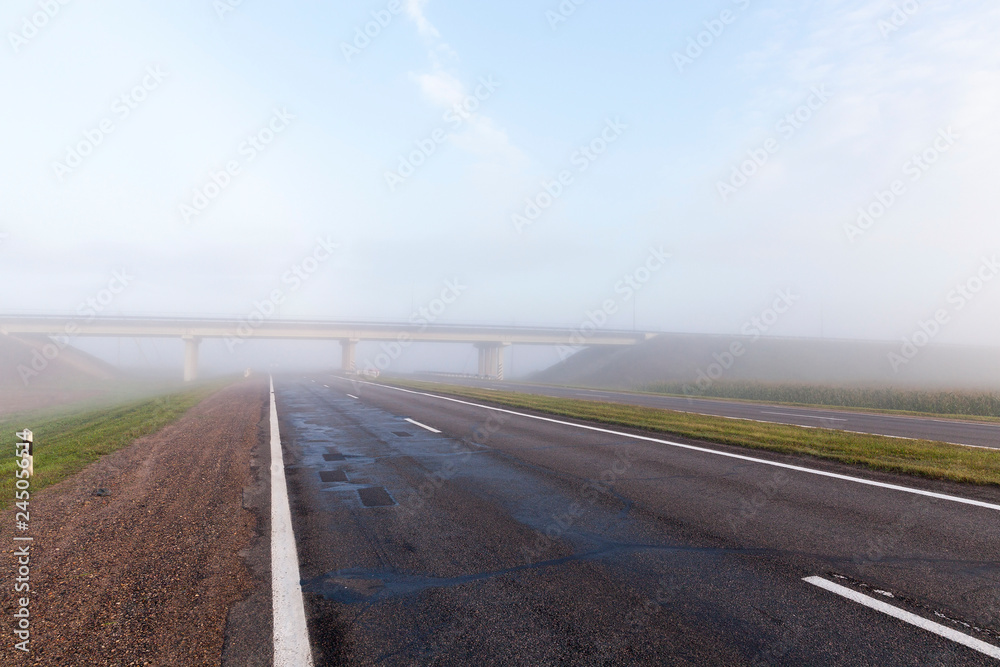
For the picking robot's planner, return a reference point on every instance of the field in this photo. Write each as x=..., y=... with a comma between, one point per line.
x=922, y=458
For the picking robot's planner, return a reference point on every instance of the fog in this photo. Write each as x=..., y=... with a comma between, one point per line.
x=160, y=357
x=690, y=163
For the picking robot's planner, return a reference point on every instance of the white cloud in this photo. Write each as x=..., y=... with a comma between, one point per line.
x=415, y=10
x=440, y=88
x=479, y=134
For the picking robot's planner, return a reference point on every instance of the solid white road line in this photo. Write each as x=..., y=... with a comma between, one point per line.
x=789, y=414
x=415, y=422
x=705, y=450
x=913, y=619
x=291, y=638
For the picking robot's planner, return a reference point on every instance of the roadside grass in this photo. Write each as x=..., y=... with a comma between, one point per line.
x=921, y=458
x=949, y=404
x=68, y=441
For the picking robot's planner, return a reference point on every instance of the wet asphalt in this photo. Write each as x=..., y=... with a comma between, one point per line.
x=504, y=540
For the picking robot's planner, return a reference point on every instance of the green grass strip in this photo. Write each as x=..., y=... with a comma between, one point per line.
x=66, y=444
x=921, y=458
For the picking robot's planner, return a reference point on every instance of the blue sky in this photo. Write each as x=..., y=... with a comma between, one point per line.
x=887, y=95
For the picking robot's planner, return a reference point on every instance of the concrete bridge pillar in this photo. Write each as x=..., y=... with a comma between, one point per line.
x=491, y=360
x=348, y=349
x=190, y=358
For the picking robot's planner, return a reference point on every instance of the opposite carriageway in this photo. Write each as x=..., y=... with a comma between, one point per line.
x=489, y=339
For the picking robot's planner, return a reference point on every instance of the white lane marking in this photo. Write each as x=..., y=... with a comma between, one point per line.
x=842, y=430
x=776, y=464
x=912, y=619
x=415, y=422
x=327, y=386
x=352, y=395
x=903, y=437
x=789, y=414
x=291, y=638
x=963, y=421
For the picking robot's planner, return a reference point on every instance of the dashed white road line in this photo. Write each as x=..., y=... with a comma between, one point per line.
x=416, y=423
x=352, y=395
x=965, y=421
x=912, y=619
x=789, y=414
x=291, y=637
x=705, y=450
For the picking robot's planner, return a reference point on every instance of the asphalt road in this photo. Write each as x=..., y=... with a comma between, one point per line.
x=956, y=431
x=507, y=539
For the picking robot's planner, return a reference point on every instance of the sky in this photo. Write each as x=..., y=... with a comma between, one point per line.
x=537, y=156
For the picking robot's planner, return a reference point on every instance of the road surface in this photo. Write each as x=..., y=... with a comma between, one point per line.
x=433, y=531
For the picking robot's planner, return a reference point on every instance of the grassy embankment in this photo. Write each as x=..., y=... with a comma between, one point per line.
x=70, y=438
x=922, y=458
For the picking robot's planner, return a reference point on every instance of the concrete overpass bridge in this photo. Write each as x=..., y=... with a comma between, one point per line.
x=490, y=340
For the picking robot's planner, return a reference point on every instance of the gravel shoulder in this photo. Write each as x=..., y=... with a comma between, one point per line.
x=147, y=574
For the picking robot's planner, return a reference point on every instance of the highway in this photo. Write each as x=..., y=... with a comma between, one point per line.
x=955, y=431
x=441, y=531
